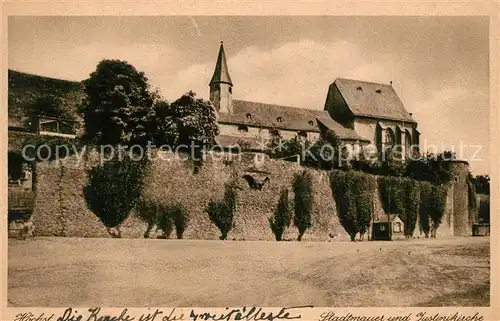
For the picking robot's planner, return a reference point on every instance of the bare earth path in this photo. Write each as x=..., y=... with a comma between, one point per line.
x=61, y=272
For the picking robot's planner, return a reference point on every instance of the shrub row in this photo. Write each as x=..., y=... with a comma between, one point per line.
x=353, y=193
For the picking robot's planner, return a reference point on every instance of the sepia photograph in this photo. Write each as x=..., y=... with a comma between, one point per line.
x=217, y=161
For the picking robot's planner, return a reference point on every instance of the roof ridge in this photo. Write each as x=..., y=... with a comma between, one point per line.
x=277, y=105
x=363, y=81
x=42, y=76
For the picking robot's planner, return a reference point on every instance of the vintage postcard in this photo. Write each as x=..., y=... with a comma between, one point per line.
x=250, y=161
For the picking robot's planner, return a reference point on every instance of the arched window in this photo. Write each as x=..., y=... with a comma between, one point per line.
x=390, y=138
x=408, y=143
x=243, y=128
x=279, y=119
x=249, y=116
x=311, y=122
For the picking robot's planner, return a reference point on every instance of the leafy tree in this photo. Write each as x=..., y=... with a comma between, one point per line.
x=484, y=209
x=113, y=189
x=282, y=216
x=481, y=184
x=221, y=213
x=391, y=164
x=303, y=190
x=434, y=168
x=186, y=120
x=325, y=152
x=118, y=106
x=282, y=148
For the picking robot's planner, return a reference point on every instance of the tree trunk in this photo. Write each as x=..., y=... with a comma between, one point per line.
x=299, y=238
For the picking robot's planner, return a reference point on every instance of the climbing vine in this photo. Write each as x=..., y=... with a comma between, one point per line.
x=432, y=206
x=303, y=201
x=401, y=196
x=353, y=193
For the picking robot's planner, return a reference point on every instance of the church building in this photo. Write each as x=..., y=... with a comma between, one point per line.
x=360, y=113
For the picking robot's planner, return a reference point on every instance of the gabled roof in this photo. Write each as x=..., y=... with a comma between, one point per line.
x=221, y=72
x=372, y=100
x=283, y=117
x=383, y=218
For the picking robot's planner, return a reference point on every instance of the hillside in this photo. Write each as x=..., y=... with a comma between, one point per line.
x=25, y=90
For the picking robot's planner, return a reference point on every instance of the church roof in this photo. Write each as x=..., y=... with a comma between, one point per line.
x=221, y=72
x=284, y=117
x=372, y=100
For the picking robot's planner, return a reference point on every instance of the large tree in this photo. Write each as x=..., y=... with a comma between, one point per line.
x=187, y=120
x=118, y=108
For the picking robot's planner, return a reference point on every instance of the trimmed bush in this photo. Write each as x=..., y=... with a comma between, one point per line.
x=353, y=193
x=147, y=211
x=484, y=209
x=411, y=197
x=401, y=196
x=431, y=208
x=113, y=189
x=391, y=195
x=472, y=199
x=303, y=190
x=172, y=216
x=221, y=213
x=282, y=216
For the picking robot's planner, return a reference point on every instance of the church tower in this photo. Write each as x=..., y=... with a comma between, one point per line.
x=221, y=87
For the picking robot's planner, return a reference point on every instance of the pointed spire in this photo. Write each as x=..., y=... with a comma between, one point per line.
x=221, y=73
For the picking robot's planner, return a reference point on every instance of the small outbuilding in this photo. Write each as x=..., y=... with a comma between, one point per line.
x=385, y=227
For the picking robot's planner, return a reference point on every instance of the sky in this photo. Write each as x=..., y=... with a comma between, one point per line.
x=439, y=66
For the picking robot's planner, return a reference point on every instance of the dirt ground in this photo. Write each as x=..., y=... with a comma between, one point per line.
x=60, y=272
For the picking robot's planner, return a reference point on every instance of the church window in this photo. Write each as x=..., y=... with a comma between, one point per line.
x=359, y=88
x=243, y=128
x=311, y=122
x=389, y=138
x=408, y=143
x=230, y=89
x=249, y=116
x=279, y=119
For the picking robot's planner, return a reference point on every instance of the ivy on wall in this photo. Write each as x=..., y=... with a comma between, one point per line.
x=401, y=196
x=353, y=193
x=431, y=208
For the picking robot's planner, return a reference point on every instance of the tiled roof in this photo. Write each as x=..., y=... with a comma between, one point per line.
x=345, y=133
x=372, y=100
x=283, y=117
